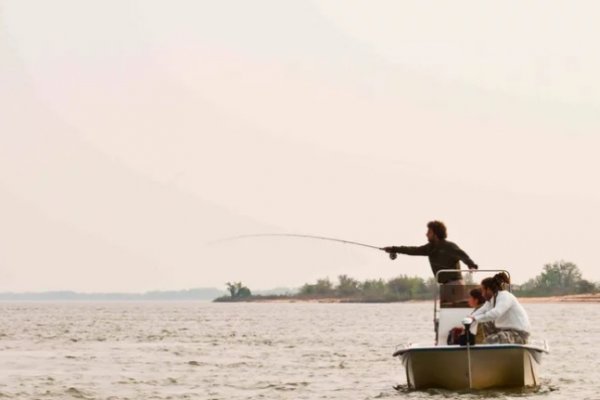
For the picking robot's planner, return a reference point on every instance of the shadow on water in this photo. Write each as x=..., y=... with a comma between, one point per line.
x=544, y=389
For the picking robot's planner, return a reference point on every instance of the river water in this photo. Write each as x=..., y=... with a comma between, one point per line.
x=174, y=350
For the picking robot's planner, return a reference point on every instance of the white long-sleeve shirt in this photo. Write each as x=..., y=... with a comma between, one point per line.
x=508, y=313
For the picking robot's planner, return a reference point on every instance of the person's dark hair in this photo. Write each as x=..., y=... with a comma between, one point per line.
x=438, y=228
x=477, y=295
x=496, y=283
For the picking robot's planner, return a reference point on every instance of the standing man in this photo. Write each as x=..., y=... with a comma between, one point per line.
x=442, y=254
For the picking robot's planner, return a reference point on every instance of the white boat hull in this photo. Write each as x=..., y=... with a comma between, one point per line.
x=491, y=366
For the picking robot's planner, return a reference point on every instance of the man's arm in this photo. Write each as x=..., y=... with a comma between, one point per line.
x=464, y=257
x=410, y=250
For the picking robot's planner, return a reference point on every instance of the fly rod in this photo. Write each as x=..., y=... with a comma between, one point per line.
x=392, y=255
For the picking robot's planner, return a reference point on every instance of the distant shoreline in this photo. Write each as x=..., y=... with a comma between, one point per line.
x=576, y=298
x=212, y=295
x=202, y=294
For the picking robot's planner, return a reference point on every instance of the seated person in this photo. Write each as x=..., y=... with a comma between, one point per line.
x=511, y=323
x=458, y=335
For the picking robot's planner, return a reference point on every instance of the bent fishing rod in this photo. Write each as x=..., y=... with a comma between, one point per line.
x=392, y=255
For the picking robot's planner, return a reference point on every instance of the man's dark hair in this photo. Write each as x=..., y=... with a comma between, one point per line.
x=438, y=228
x=496, y=283
x=476, y=294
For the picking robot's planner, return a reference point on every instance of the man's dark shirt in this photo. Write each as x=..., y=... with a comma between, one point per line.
x=442, y=255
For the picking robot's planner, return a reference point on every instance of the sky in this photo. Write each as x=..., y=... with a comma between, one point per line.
x=133, y=134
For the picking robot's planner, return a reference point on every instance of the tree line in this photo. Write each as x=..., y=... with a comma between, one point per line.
x=557, y=278
x=401, y=288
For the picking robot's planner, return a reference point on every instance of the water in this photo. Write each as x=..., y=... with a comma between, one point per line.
x=256, y=351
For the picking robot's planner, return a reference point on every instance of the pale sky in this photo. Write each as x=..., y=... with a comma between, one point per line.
x=133, y=133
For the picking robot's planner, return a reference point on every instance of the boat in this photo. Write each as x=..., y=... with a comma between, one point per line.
x=475, y=366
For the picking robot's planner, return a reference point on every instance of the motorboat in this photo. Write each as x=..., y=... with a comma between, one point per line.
x=471, y=366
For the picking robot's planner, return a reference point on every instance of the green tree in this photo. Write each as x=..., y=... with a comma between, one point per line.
x=237, y=290
x=323, y=287
x=560, y=277
x=232, y=288
x=347, y=286
x=431, y=286
x=400, y=288
x=307, y=290
x=373, y=290
x=585, y=286
x=557, y=278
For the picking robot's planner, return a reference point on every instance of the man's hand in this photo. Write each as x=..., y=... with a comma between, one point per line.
x=474, y=267
x=391, y=251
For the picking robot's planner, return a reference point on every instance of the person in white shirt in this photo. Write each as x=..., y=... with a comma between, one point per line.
x=502, y=307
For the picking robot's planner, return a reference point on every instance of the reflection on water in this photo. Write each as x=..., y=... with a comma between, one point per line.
x=257, y=351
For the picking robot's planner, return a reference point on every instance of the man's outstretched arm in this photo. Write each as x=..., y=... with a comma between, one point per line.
x=410, y=250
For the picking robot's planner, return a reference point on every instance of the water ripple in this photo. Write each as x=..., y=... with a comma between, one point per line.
x=256, y=351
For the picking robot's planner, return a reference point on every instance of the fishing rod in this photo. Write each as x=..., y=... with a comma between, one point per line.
x=392, y=255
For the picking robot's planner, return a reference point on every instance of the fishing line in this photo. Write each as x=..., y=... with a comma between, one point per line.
x=392, y=255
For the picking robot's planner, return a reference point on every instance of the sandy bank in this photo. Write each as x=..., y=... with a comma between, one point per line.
x=574, y=298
